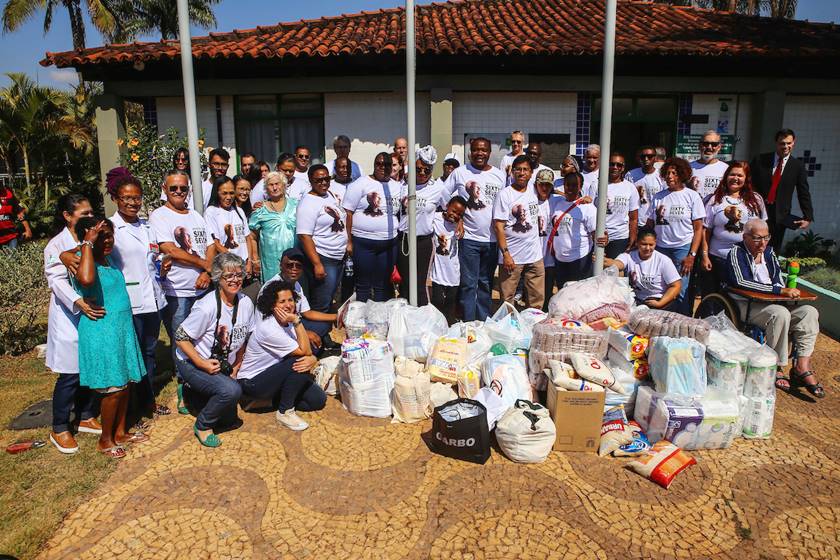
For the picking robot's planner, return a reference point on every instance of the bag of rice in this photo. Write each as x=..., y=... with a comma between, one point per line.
x=614, y=431
x=469, y=382
x=447, y=358
x=561, y=375
x=638, y=446
x=410, y=399
x=594, y=370
x=662, y=463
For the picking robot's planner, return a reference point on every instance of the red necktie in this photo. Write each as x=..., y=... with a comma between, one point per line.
x=777, y=176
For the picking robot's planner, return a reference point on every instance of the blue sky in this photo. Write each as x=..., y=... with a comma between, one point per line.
x=20, y=51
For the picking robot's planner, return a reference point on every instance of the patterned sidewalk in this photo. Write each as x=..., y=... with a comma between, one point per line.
x=353, y=487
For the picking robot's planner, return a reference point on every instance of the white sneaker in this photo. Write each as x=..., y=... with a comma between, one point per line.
x=291, y=420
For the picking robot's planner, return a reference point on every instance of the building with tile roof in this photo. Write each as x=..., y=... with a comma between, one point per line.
x=489, y=67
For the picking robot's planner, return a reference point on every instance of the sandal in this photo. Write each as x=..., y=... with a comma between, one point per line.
x=210, y=441
x=182, y=409
x=162, y=410
x=142, y=426
x=782, y=381
x=798, y=379
x=116, y=452
x=135, y=437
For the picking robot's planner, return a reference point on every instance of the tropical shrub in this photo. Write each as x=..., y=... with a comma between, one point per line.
x=26, y=298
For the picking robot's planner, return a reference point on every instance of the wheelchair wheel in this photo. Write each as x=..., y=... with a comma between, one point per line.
x=715, y=303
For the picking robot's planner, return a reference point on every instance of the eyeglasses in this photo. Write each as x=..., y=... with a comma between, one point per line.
x=516, y=141
x=302, y=156
x=647, y=156
x=233, y=276
x=179, y=189
x=181, y=158
x=710, y=144
x=760, y=238
x=294, y=265
x=382, y=164
x=616, y=164
x=219, y=164
x=130, y=199
x=423, y=170
x=320, y=180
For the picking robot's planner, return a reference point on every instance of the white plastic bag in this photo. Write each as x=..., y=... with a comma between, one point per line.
x=526, y=432
x=354, y=319
x=761, y=374
x=507, y=376
x=441, y=393
x=504, y=328
x=326, y=374
x=413, y=330
x=678, y=365
x=605, y=295
x=366, y=377
x=377, y=317
x=494, y=404
x=411, y=399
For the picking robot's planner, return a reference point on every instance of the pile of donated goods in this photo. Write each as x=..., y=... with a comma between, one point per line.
x=619, y=379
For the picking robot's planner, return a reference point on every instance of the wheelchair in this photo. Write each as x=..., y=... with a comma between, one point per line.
x=721, y=301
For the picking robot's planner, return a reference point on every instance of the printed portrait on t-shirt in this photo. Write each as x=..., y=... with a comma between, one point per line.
x=474, y=201
x=443, y=245
x=641, y=189
x=520, y=214
x=230, y=237
x=338, y=223
x=183, y=239
x=733, y=216
x=541, y=226
x=661, y=220
x=373, y=200
x=222, y=336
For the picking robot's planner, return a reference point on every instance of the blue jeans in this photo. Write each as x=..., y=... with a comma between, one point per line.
x=373, y=263
x=321, y=291
x=177, y=309
x=684, y=302
x=286, y=387
x=221, y=391
x=478, y=260
x=147, y=327
x=69, y=395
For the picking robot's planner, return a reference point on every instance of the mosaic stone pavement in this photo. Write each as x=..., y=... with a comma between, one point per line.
x=353, y=487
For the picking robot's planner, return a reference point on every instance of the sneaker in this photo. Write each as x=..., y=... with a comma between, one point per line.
x=291, y=420
x=90, y=426
x=64, y=442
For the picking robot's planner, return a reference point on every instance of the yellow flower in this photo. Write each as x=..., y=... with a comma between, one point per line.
x=133, y=142
x=135, y=157
x=120, y=142
x=200, y=143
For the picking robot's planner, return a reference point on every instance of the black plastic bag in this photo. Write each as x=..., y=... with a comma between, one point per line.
x=459, y=431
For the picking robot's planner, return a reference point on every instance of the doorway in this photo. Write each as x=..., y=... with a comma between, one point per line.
x=638, y=120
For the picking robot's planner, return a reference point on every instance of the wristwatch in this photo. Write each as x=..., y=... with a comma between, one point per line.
x=505, y=250
x=692, y=253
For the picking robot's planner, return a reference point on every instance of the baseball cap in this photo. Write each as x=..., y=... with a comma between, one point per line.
x=545, y=176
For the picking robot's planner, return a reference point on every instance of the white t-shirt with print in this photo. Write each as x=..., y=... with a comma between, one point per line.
x=649, y=186
x=229, y=227
x=634, y=174
x=428, y=199
x=520, y=211
x=672, y=213
x=706, y=177
x=323, y=218
x=444, y=269
x=269, y=343
x=573, y=239
x=302, y=305
x=258, y=193
x=299, y=187
x=375, y=207
x=544, y=223
x=479, y=189
x=590, y=184
x=649, y=279
x=507, y=161
x=726, y=221
x=201, y=322
x=338, y=190
x=356, y=170
x=188, y=232
x=622, y=198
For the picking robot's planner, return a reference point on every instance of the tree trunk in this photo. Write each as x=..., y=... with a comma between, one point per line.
x=77, y=23
x=26, y=166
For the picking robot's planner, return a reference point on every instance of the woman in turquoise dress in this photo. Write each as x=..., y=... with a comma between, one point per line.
x=273, y=225
x=109, y=354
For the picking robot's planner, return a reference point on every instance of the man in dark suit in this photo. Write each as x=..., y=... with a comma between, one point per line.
x=775, y=176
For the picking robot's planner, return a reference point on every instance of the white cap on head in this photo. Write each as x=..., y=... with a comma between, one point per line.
x=451, y=155
x=427, y=154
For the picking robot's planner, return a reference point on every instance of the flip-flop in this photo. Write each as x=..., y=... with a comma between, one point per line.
x=136, y=437
x=116, y=452
x=798, y=379
x=162, y=410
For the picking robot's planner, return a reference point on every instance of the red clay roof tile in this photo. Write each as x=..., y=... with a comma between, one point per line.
x=496, y=28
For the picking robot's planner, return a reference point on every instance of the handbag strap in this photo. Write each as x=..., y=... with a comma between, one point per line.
x=219, y=315
x=556, y=226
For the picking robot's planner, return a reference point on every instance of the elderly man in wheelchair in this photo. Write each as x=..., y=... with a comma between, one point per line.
x=754, y=284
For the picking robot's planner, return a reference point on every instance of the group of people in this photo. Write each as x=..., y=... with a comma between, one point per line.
x=247, y=291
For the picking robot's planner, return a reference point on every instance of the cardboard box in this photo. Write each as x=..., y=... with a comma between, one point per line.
x=577, y=417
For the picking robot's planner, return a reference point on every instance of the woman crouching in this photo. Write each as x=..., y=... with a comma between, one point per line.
x=211, y=344
x=278, y=358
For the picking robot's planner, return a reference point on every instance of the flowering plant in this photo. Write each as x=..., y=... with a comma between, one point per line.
x=148, y=156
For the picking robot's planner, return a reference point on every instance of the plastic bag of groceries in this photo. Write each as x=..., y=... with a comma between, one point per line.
x=414, y=330
x=377, y=318
x=411, y=399
x=326, y=374
x=526, y=432
x=557, y=338
x=656, y=322
x=478, y=342
x=354, y=319
x=366, y=377
x=605, y=295
x=678, y=365
x=505, y=328
x=508, y=377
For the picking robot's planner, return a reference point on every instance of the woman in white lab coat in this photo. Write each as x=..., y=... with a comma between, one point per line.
x=62, y=335
x=136, y=255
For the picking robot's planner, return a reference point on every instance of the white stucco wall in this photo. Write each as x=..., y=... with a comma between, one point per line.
x=170, y=114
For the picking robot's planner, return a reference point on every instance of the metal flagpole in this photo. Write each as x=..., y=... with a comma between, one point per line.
x=606, y=124
x=410, y=69
x=189, y=104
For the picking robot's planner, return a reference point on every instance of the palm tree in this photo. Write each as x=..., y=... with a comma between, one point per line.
x=774, y=8
x=161, y=16
x=18, y=12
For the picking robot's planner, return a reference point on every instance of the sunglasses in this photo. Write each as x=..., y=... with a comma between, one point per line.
x=178, y=189
x=320, y=180
x=647, y=156
x=710, y=144
x=423, y=170
x=616, y=164
x=516, y=141
x=294, y=265
x=302, y=156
